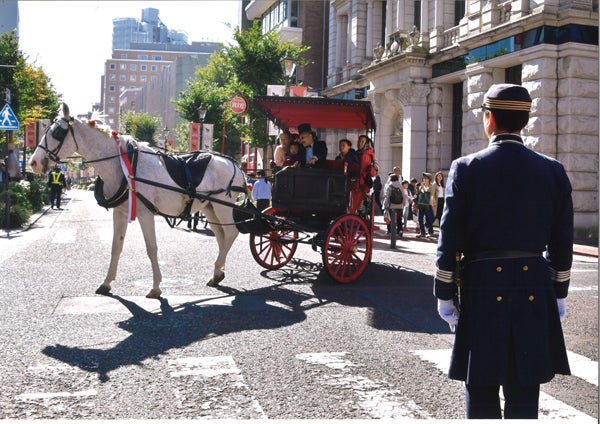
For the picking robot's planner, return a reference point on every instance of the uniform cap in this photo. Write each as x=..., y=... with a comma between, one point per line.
x=507, y=97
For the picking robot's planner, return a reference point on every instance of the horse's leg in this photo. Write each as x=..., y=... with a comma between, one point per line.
x=225, y=235
x=146, y=219
x=119, y=231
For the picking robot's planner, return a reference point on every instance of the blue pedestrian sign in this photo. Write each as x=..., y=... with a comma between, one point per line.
x=8, y=120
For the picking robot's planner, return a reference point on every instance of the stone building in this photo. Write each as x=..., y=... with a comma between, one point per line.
x=427, y=63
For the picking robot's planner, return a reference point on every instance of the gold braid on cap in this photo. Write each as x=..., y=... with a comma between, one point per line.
x=506, y=104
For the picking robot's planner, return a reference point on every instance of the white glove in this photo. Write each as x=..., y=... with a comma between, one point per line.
x=449, y=313
x=562, y=308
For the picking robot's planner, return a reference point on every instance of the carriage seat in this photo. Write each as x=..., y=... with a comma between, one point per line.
x=187, y=170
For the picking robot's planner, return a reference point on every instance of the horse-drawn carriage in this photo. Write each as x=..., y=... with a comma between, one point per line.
x=306, y=200
x=315, y=205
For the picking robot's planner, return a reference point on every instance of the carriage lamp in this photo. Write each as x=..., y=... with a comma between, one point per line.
x=288, y=65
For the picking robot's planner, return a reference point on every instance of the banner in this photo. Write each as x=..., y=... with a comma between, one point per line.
x=298, y=91
x=275, y=90
x=194, y=136
x=30, y=135
x=207, y=136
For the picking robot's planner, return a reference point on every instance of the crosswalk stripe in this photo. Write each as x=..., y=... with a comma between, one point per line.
x=240, y=404
x=549, y=407
x=375, y=398
x=583, y=367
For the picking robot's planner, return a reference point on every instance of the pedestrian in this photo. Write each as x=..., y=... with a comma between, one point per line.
x=510, y=298
x=412, y=189
x=261, y=191
x=407, y=204
x=376, y=195
x=56, y=182
x=438, y=183
x=394, y=203
x=426, y=203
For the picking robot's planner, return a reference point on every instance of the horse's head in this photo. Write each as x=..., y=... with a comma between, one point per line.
x=58, y=141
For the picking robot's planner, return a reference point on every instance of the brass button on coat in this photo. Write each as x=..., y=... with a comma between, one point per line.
x=499, y=269
x=525, y=268
x=531, y=298
x=499, y=298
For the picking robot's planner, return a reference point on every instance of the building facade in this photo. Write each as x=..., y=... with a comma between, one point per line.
x=427, y=64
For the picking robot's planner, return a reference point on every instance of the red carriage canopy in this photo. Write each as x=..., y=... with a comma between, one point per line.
x=320, y=112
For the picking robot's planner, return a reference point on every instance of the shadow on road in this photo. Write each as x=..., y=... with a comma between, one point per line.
x=153, y=334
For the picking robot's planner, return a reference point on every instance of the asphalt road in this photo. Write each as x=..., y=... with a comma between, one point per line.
x=282, y=344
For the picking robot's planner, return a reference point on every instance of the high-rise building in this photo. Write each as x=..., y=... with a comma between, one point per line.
x=9, y=16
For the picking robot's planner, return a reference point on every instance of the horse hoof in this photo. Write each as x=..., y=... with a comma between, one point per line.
x=214, y=282
x=103, y=290
x=154, y=294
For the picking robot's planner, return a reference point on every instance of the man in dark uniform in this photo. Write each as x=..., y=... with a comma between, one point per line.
x=56, y=181
x=316, y=150
x=510, y=297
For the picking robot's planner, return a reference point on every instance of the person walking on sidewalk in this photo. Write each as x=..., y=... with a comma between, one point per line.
x=505, y=298
x=426, y=203
x=56, y=182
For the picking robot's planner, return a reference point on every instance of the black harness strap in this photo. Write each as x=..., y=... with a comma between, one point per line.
x=120, y=196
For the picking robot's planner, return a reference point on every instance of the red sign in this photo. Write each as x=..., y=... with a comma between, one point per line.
x=239, y=104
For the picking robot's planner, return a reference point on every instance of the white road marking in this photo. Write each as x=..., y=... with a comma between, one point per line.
x=375, y=397
x=583, y=367
x=222, y=375
x=35, y=396
x=549, y=407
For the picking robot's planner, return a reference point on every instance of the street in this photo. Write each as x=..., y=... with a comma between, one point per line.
x=285, y=344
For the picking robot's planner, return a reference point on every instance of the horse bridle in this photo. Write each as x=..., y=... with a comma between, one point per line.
x=58, y=133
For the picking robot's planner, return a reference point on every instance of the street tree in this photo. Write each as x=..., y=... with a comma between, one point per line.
x=245, y=67
x=141, y=126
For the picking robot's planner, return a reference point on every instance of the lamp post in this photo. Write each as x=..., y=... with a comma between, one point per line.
x=288, y=65
x=165, y=134
x=201, y=116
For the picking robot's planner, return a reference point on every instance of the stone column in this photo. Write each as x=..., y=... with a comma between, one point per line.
x=413, y=100
x=479, y=80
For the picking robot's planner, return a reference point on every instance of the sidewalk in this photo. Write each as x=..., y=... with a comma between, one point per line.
x=409, y=239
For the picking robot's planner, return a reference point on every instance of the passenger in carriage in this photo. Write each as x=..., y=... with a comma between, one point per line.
x=347, y=153
x=316, y=150
x=295, y=156
x=368, y=169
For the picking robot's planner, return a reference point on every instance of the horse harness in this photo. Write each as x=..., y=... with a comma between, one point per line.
x=186, y=170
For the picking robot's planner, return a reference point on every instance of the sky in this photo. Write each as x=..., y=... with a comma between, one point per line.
x=71, y=40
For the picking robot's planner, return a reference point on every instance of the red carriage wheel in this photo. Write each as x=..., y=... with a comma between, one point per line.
x=275, y=248
x=347, y=249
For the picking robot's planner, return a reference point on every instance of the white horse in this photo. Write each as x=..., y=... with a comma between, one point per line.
x=223, y=180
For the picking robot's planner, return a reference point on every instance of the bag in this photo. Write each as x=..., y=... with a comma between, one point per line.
x=423, y=200
x=396, y=196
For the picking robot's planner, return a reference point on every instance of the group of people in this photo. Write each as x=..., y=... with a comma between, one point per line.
x=306, y=150
x=406, y=200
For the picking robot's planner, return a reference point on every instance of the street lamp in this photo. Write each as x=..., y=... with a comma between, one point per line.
x=165, y=133
x=201, y=116
x=288, y=65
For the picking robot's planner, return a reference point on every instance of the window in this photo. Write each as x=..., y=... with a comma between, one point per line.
x=112, y=77
x=459, y=11
x=111, y=88
x=144, y=67
x=122, y=78
x=153, y=68
x=111, y=110
x=143, y=57
x=132, y=78
x=143, y=78
x=157, y=57
x=123, y=55
x=417, y=21
x=457, y=100
x=133, y=67
x=111, y=99
x=123, y=67
x=513, y=75
x=112, y=66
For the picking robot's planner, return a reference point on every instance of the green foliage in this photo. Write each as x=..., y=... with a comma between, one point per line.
x=26, y=197
x=19, y=216
x=244, y=68
x=140, y=125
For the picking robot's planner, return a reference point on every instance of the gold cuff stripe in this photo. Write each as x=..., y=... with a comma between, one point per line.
x=444, y=276
x=560, y=276
x=507, y=104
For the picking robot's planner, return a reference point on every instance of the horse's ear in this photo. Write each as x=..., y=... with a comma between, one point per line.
x=65, y=111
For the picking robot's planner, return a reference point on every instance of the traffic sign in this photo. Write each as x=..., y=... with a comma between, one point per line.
x=239, y=104
x=8, y=120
